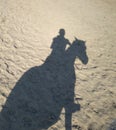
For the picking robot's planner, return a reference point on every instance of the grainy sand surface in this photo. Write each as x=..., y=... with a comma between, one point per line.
x=27, y=29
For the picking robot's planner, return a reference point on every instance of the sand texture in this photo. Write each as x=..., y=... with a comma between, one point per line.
x=57, y=65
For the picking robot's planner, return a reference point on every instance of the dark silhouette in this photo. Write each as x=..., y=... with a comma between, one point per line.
x=38, y=97
x=59, y=43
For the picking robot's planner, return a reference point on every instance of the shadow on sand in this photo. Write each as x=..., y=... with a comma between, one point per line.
x=38, y=97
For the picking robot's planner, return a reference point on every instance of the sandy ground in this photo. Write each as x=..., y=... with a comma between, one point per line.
x=27, y=29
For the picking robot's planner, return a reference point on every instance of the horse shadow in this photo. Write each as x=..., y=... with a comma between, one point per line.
x=37, y=99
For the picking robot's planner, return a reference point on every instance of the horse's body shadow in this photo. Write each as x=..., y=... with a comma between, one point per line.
x=38, y=97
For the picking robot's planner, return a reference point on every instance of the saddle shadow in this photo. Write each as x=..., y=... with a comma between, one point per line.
x=37, y=99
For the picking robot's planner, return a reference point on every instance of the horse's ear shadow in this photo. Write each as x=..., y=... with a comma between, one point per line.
x=76, y=38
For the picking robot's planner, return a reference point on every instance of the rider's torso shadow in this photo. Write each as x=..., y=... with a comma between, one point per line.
x=38, y=97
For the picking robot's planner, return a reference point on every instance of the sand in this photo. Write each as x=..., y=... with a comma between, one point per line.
x=27, y=29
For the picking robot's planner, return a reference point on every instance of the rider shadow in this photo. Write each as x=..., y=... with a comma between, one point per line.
x=43, y=91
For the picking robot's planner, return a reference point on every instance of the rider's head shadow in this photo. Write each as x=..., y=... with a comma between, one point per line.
x=60, y=43
x=62, y=32
x=37, y=99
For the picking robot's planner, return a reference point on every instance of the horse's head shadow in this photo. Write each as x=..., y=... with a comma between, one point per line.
x=78, y=50
x=38, y=97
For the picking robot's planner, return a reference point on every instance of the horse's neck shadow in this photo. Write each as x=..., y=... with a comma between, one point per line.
x=40, y=94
